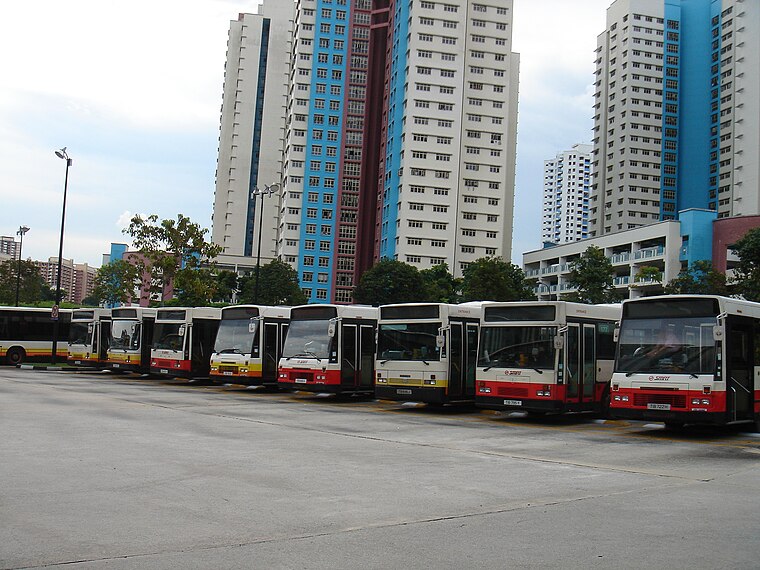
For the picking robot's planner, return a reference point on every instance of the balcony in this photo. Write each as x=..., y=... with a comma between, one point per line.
x=620, y=258
x=650, y=252
x=622, y=281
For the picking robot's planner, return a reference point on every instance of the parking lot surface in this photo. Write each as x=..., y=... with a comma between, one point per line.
x=106, y=471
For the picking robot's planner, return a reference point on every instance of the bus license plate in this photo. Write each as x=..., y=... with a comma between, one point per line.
x=300, y=380
x=658, y=406
x=77, y=362
x=164, y=371
x=403, y=391
x=116, y=365
x=227, y=373
x=513, y=402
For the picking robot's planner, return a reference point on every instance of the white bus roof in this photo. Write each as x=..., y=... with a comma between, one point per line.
x=277, y=311
x=346, y=311
x=726, y=304
x=164, y=313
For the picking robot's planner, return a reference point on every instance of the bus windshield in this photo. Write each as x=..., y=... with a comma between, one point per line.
x=408, y=341
x=235, y=336
x=307, y=338
x=517, y=347
x=125, y=335
x=79, y=333
x=668, y=345
x=166, y=336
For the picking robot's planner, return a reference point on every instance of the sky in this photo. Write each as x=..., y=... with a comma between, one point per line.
x=133, y=91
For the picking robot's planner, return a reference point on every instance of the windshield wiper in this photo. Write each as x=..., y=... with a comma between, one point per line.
x=230, y=351
x=538, y=370
x=300, y=354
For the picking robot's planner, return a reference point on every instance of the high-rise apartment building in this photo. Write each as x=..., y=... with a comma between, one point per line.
x=399, y=139
x=448, y=156
x=677, y=116
x=251, y=139
x=567, y=188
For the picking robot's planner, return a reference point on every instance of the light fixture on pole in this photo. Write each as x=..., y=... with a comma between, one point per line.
x=267, y=191
x=62, y=154
x=21, y=231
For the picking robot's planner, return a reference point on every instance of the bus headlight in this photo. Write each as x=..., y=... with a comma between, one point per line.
x=429, y=382
x=484, y=390
x=706, y=402
x=382, y=380
x=244, y=371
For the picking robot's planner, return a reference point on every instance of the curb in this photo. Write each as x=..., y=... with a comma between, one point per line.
x=40, y=367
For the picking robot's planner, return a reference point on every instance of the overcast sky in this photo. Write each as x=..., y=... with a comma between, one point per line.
x=133, y=89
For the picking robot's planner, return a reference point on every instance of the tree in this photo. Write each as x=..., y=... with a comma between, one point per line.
x=390, y=281
x=699, y=279
x=493, y=279
x=194, y=288
x=226, y=286
x=31, y=286
x=593, y=276
x=440, y=285
x=170, y=248
x=648, y=274
x=278, y=285
x=747, y=271
x=116, y=283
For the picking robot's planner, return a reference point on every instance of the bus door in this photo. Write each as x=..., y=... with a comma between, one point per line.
x=104, y=333
x=272, y=350
x=348, y=361
x=456, y=360
x=471, y=357
x=367, y=356
x=581, y=363
x=740, y=385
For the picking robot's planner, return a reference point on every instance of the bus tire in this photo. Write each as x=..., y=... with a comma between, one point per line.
x=605, y=405
x=15, y=355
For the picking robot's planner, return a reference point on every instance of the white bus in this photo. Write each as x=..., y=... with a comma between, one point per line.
x=249, y=344
x=688, y=359
x=426, y=352
x=131, y=338
x=89, y=334
x=26, y=333
x=546, y=356
x=183, y=338
x=330, y=348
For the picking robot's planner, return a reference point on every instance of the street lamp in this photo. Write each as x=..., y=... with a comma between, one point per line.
x=21, y=231
x=267, y=191
x=64, y=156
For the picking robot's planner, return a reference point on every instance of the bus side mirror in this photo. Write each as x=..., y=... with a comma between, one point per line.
x=181, y=331
x=331, y=328
x=717, y=333
x=559, y=342
x=440, y=340
x=252, y=326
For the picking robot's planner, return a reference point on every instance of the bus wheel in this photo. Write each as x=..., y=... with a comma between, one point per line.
x=15, y=355
x=605, y=405
x=674, y=425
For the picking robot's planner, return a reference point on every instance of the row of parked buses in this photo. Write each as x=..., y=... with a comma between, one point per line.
x=677, y=359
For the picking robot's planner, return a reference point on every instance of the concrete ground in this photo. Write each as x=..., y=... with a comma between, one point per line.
x=104, y=471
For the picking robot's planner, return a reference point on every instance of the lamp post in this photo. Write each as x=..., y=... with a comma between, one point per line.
x=267, y=191
x=21, y=231
x=63, y=156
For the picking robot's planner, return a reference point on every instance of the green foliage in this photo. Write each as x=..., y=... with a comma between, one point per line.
x=115, y=283
x=278, y=285
x=593, y=275
x=493, y=279
x=699, y=279
x=648, y=274
x=171, y=253
x=747, y=271
x=440, y=285
x=226, y=286
x=32, y=287
x=390, y=281
x=194, y=288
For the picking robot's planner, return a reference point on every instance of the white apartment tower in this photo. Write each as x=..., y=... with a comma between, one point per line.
x=677, y=115
x=252, y=133
x=447, y=191
x=567, y=183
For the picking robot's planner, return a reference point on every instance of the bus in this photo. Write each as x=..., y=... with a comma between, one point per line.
x=131, y=338
x=546, y=356
x=183, y=338
x=249, y=344
x=688, y=359
x=88, y=337
x=26, y=334
x=331, y=349
x=426, y=352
